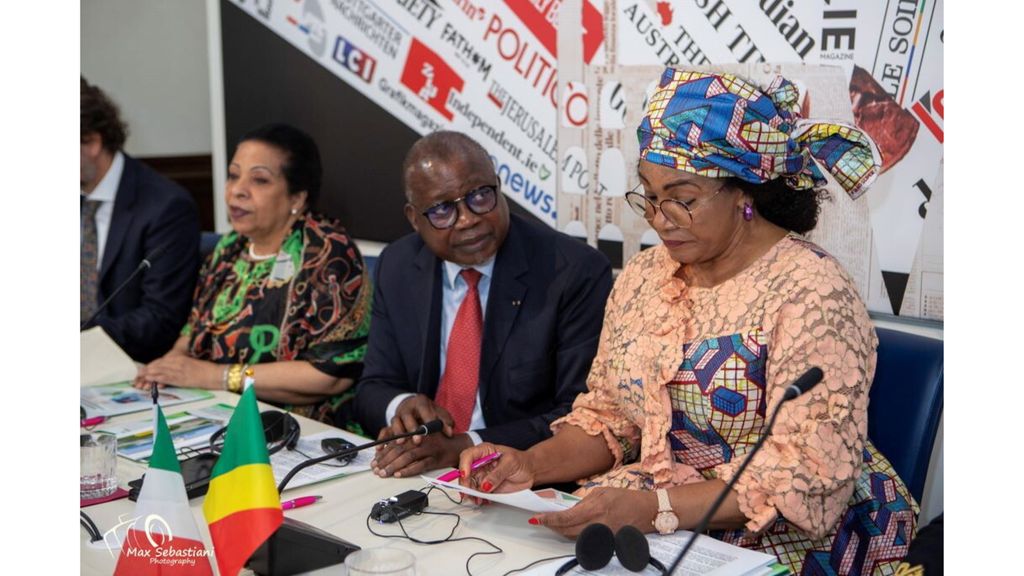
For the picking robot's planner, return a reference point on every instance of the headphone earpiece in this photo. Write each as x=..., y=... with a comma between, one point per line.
x=280, y=429
x=596, y=546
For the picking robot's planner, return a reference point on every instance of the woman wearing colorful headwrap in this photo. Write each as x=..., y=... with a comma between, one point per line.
x=703, y=334
x=283, y=299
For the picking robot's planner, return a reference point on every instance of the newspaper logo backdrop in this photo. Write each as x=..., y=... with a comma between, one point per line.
x=554, y=88
x=877, y=66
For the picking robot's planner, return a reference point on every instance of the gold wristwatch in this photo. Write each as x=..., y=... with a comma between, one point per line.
x=666, y=522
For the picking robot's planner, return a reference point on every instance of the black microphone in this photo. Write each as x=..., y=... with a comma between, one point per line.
x=432, y=427
x=146, y=264
x=296, y=547
x=805, y=382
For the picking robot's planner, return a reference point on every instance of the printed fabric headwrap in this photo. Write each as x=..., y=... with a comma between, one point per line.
x=720, y=125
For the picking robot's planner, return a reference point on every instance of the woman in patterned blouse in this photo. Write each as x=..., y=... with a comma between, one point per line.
x=284, y=298
x=704, y=332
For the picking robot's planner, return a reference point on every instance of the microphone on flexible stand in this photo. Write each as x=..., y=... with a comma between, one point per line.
x=805, y=382
x=298, y=547
x=146, y=264
x=432, y=427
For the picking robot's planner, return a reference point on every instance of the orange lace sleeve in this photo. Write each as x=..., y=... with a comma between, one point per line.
x=806, y=470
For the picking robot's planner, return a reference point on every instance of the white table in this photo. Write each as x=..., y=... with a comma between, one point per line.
x=343, y=511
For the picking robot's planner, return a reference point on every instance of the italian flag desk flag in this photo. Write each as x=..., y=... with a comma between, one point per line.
x=164, y=539
x=242, y=506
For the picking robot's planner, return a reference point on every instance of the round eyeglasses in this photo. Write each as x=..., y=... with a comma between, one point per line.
x=479, y=201
x=677, y=212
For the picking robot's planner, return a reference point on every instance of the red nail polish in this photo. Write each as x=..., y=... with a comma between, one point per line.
x=462, y=474
x=487, y=486
x=534, y=521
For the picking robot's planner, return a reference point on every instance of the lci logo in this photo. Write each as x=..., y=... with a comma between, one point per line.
x=354, y=59
x=430, y=77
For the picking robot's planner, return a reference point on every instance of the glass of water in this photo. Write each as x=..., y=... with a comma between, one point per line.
x=98, y=472
x=381, y=562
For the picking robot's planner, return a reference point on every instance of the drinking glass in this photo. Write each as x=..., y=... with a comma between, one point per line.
x=381, y=562
x=98, y=472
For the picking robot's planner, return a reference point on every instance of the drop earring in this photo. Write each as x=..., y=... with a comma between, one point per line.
x=748, y=211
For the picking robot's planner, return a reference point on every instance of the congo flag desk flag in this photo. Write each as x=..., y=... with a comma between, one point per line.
x=242, y=506
x=165, y=539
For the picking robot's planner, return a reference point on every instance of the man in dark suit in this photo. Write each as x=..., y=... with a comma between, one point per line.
x=486, y=321
x=130, y=213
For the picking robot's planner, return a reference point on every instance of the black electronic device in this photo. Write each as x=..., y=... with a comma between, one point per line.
x=280, y=429
x=339, y=446
x=296, y=548
x=397, y=507
x=195, y=471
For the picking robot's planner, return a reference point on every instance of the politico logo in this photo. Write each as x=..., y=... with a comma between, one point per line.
x=541, y=17
x=354, y=59
x=430, y=77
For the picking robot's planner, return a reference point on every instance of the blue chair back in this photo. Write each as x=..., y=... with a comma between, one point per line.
x=207, y=242
x=906, y=403
x=370, y=263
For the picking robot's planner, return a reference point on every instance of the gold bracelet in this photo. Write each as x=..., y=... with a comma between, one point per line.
x=224, y=378
x=235, y=378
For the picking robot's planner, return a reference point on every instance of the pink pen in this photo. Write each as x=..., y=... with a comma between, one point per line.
x=300, y=502
x=86, y=422
x=449, y=476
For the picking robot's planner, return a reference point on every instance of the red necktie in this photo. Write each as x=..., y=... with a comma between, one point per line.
x=457, y=392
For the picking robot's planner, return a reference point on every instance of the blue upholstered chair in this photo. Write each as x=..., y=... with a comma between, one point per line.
x=370, y=263
x=906, y=403
x=207, y=242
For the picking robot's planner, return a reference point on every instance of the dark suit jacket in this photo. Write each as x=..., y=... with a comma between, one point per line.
x=150, y=211
x=541, y=326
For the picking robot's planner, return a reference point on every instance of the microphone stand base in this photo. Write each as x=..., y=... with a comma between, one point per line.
x=298, y=547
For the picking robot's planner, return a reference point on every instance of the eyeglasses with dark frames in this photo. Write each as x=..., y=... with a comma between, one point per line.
x=677, y=212
x=479, y=201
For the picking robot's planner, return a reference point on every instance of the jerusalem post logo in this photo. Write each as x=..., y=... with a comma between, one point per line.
x=430, y=77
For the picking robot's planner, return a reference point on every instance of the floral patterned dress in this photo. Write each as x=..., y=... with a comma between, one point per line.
x=311, y=302
x=685, y=376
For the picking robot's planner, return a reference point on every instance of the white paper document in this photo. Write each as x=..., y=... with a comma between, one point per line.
x=122, y=398
x=544, y=501
x=309, y=447
x=708, y=557
x=190, y=432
